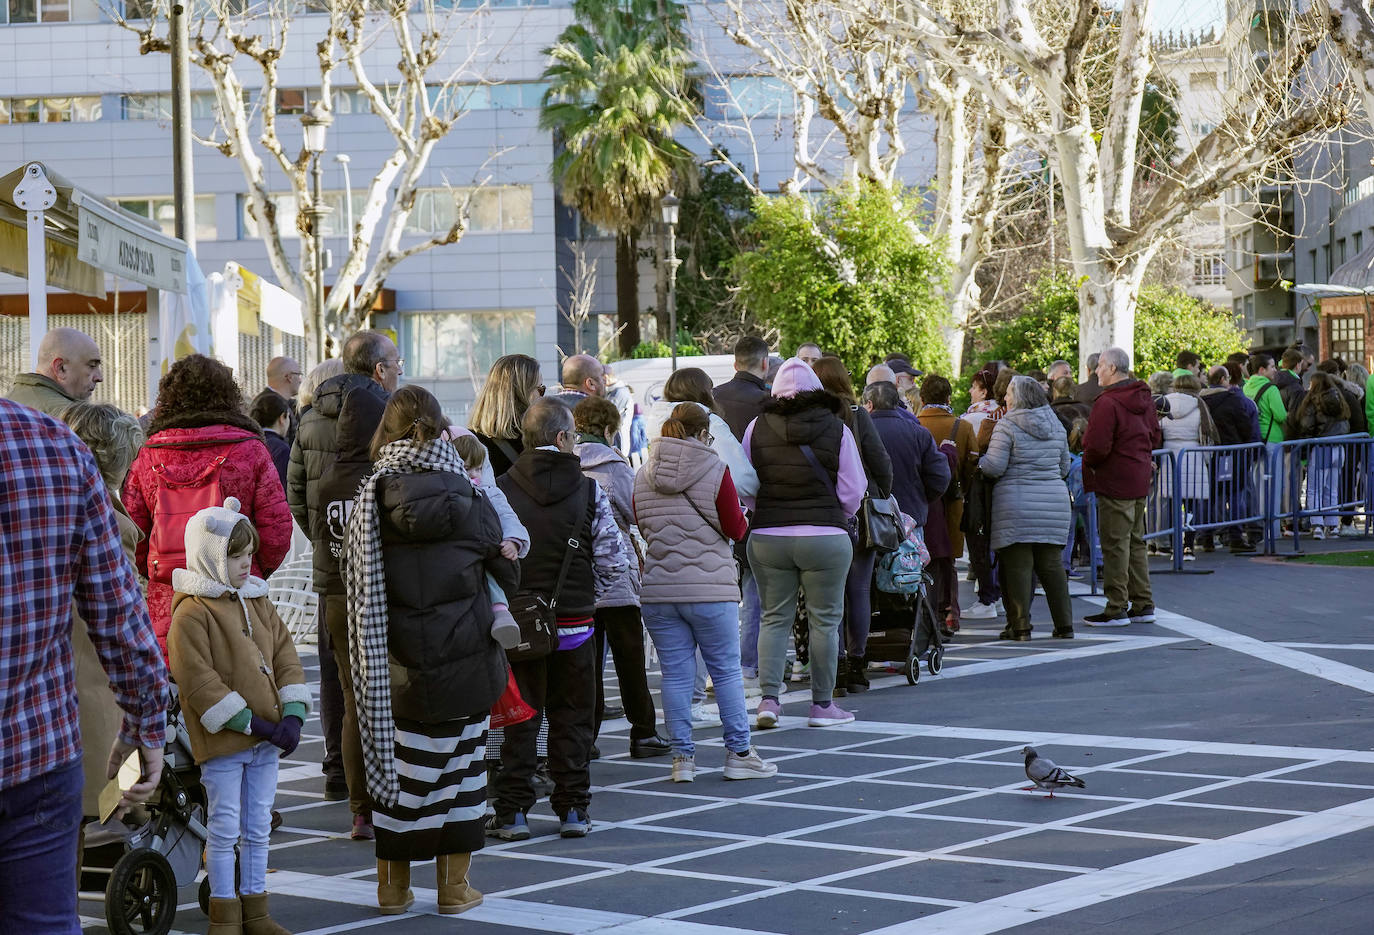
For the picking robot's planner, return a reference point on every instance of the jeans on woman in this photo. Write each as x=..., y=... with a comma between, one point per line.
x=748, y=623
x=858, y=605
x=819, y=565
x=679, y=631
x=240, y=788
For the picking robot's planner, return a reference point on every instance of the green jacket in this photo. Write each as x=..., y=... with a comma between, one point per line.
x=1369, y=404
x=1272, y=414
x=39, y=392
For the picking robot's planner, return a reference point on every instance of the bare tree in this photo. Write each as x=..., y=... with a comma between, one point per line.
x=581, y=285
x=241, y=48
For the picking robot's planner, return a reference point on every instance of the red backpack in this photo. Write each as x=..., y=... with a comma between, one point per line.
x=174, y=503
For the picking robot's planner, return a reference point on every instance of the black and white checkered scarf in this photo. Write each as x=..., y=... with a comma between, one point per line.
x=365, y=581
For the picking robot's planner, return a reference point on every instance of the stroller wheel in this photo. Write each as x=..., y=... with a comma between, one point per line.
x=936, y=662
x=912, y=669
x=141, y=898
x=203, y=895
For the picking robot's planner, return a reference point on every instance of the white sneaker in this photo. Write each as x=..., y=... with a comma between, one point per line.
x=801, y=671
x=748, y=765
x=703, y=718
x=1001, y=611
x=980, y=611
x=684, y=768
x=1318, y=532
x=1348, y=532
x=751, y=687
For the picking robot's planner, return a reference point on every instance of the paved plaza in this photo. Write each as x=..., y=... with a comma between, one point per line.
x=1226, y=750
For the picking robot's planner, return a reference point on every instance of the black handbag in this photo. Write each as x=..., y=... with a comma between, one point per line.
x=880, y=524
x=536, y=616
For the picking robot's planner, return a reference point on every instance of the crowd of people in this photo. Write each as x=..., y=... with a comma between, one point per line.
x=460, y=567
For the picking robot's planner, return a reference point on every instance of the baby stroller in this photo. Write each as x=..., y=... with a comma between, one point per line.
x=135, y=865
x=904, y=627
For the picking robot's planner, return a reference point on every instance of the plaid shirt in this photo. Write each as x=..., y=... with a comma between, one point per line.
x=59, y=541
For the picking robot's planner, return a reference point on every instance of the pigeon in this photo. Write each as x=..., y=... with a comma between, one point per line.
x=1045, y=774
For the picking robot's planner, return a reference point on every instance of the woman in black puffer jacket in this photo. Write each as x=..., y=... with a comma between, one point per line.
x=426, y=668
x=1323, y=413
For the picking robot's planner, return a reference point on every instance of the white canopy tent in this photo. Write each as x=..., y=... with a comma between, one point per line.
x=71, y=238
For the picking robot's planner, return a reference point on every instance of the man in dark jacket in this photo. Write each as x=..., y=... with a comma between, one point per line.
x=1294, y=363
x=1090, y=389
x=559, y=506
x=1118, y=466
x=741, y=398
x=330, y=456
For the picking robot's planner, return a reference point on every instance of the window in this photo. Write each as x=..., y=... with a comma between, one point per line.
x=159, y=106
x=458, y=98
x=463, y=345
x=1325, y=268
x=1357, y=241
x=1201, y=80
x=1340, y=252
x=49, y=109
x=492, y=209
x=163, y=211
x=1347, y=337
x=749, y=96
x=1208, y=270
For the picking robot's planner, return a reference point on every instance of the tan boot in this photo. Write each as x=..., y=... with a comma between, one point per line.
x=256, y=921
x=455, y=895
x=226, y=917
x=393, y=887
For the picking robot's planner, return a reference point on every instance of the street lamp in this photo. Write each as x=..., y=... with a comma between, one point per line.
x=669, y=206
x=315, y=126
x=342, y=160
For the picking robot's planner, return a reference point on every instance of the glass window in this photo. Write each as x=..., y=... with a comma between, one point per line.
x=57, y=110
x=351, y=101
x=1207, y=270
x=464, y=345
x=55, y=11
x=22, y=11
x=86, y=109
x=24, y=110
x=517, y=208
x=484, y=211
x=4, y=110
x=291, y=101
x=147, y=107
x=1347, y=337
x=163, y=211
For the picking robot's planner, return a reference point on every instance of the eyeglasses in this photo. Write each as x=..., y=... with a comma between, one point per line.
x=399, y=363
x=709, y=439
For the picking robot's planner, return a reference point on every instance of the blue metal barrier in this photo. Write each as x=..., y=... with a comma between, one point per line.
x=1220, y=489
x=1319, y=480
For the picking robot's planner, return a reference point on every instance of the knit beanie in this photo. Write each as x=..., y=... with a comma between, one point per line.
x=795, y=376
x=207, y=541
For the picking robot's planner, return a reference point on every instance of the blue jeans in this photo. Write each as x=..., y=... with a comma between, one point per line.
x=39, y=820
x=750, y=612
x=678, y=631
x=240, y=788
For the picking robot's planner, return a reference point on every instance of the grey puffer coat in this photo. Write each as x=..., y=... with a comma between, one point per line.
x=608, y=467
x=1029, y=454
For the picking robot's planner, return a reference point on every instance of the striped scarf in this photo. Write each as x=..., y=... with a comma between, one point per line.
x=365, y=582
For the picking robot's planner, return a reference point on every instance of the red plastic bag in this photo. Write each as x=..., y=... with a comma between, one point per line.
x=510, y=708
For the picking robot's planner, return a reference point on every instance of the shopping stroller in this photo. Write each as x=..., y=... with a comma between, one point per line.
x=904, y=627
x=135, y=865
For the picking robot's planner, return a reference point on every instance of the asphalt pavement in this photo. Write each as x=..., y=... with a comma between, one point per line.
x=1226, y=750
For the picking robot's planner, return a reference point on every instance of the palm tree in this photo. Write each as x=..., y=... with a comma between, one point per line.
x=618, y=85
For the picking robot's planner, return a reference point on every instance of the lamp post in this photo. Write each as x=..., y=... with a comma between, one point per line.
x=342, y=159
x=669, y=206
x=315, y=126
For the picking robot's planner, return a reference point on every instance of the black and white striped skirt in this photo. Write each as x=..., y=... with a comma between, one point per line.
x=443, y=797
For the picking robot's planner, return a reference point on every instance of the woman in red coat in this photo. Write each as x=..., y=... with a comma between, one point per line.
x=201, y=448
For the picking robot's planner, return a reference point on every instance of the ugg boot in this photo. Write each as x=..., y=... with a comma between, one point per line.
x=226, y=917
x=455, y=895
x=256, y=921
x=393, y=887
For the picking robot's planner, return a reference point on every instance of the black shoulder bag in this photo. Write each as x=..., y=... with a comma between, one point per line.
x=537, y=616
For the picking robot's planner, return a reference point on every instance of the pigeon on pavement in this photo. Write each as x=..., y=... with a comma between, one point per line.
x=1045, y=774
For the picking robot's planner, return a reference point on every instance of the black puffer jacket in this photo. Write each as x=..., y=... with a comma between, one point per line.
x=791, y=492
x=1229, y=415
x=438, y=539
x=328, y=460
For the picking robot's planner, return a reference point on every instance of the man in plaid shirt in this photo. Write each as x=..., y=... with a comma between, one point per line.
x=59, y=543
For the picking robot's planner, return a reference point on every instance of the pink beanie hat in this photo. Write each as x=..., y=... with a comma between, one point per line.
x=795, y=376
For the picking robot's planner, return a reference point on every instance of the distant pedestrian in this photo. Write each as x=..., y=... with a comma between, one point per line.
x=284, y=377
x=742, y=397
x=69, y=370
x=948, y=431
x=1323, y=413
x=1118, y=465
x=1089, y=390
x=273, y=417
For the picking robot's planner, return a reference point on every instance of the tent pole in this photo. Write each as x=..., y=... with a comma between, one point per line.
x=35, y=195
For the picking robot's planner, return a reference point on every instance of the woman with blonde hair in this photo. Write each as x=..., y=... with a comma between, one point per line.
x=114, y=437
x=512, y=385
x=317, y=375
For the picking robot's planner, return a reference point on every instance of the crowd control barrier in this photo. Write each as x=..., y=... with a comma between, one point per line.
x=1319, y=480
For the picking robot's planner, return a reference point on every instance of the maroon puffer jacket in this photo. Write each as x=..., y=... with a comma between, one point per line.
x=1122, y=432
x=248, y=474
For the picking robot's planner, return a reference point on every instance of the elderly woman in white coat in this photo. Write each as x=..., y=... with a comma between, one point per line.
x=1031, y=512
x=1188, y=425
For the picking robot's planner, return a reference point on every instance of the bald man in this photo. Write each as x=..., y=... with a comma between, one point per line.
x=69, y=367
x=284, y=379
x=880, y=374
x=583, y=376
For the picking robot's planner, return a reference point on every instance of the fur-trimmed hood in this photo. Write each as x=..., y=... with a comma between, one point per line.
x=197, y=420
x=811, y=399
